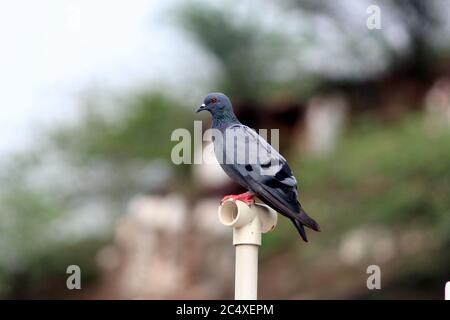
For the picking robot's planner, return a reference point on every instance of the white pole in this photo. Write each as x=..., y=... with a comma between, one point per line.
x=248, y=222
x=246, y=274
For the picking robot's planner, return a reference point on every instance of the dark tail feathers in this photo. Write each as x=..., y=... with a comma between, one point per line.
x=299, y=226
x=307, y=220
x=304, y=219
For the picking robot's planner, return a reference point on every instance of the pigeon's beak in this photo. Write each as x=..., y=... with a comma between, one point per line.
x=202, y=107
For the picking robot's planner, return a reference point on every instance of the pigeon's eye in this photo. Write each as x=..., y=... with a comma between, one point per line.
x=213, y=100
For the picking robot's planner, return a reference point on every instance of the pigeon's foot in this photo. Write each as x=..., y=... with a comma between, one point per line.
x=247, y=197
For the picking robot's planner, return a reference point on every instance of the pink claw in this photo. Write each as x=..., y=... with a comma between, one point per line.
x=247, y=197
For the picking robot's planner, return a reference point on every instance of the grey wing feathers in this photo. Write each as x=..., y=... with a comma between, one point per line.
x=269, y=175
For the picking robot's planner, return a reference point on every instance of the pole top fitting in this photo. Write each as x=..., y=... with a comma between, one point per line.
x=247, y=221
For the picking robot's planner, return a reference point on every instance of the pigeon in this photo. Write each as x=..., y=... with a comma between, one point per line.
x=248, y=159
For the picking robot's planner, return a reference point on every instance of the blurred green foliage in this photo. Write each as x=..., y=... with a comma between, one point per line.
x=119, y=137
x=394, y=178
x=254, y=61
x=395, y=175
x=102, y=160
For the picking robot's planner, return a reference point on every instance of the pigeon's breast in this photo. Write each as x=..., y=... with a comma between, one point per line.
x=227, y=160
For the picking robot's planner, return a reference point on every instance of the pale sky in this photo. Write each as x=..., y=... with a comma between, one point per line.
x=52, y=50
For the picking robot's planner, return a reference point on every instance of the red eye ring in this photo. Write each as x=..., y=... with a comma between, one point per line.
x=214, y=100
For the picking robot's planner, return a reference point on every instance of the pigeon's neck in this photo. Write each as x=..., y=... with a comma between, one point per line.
x=224, y=120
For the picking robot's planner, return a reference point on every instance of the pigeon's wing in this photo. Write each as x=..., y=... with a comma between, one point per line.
x=264, y=170
x=253, y=162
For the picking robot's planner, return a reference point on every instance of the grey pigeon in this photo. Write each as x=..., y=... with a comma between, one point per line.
x=253, y=163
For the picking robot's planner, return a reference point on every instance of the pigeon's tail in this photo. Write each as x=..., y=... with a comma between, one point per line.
x=301, y=230
x=303, y=217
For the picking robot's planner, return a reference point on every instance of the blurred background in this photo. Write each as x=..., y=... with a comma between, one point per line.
x=92, y=90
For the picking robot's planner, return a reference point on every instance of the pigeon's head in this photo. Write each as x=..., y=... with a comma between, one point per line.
x=216, y=103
